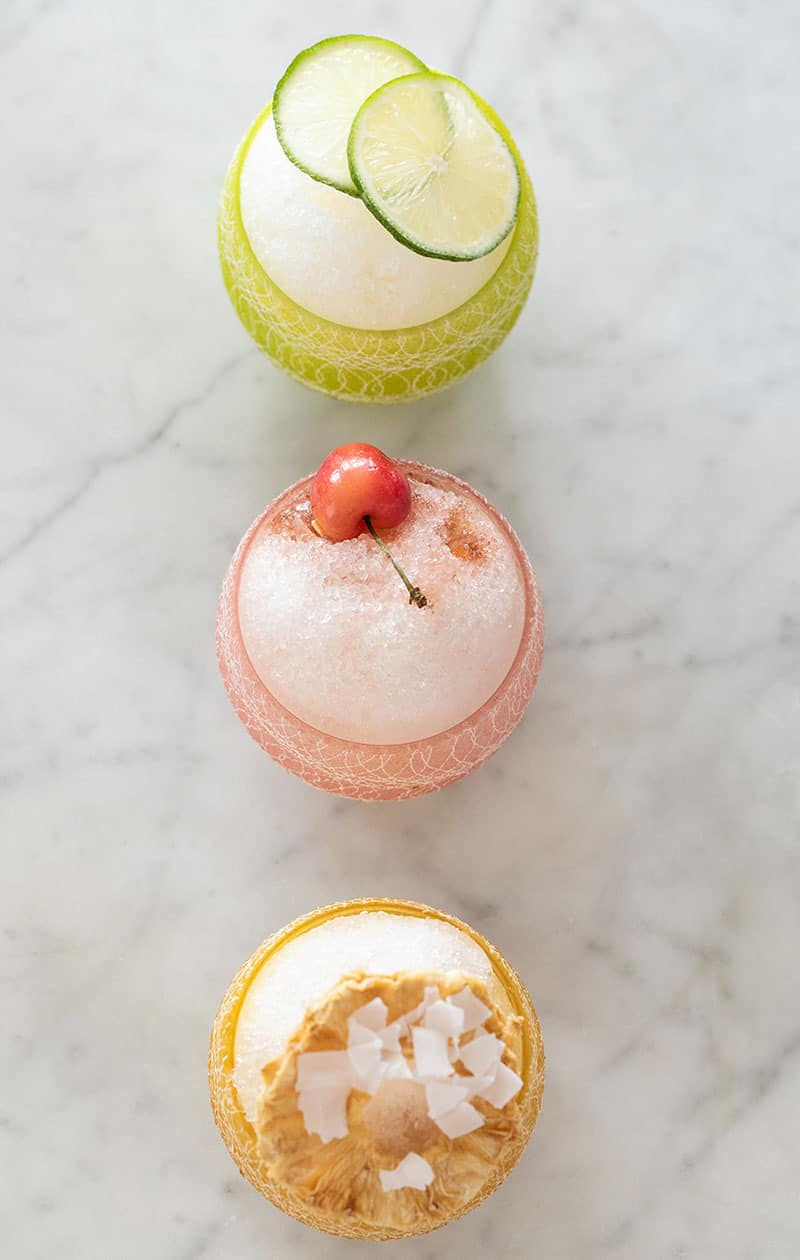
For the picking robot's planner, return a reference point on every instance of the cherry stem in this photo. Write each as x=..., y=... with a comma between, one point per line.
x=415, y=595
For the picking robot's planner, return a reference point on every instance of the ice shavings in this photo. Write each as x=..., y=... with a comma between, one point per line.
x=413, y=1172
x=374, y=1054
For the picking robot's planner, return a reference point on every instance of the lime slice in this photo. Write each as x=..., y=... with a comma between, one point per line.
x=372, y=365
x=322, y=91
x=433, y=169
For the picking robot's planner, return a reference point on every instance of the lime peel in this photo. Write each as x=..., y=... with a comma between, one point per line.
x=357, y=365
x=320, y=93
x=433, y=169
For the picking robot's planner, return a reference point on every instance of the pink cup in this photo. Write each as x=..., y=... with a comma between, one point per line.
x=378, y=772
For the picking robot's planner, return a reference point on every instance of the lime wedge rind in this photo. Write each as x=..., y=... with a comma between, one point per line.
x=312, y=132
x=430, y=165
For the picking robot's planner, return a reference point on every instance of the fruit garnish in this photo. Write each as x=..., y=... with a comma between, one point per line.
x=415, y=595
x=320, y=94
x=355, y=481
x=358, y=488
x=432, y=168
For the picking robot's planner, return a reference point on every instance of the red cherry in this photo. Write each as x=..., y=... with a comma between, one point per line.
x=356, y=481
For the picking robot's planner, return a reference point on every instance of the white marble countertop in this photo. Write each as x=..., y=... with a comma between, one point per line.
x=633, y=849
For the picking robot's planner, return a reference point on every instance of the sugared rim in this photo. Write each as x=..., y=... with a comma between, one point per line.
x=239, y=1135
x=532, y=625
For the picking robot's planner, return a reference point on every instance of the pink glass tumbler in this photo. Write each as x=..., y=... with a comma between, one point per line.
x=378, y=772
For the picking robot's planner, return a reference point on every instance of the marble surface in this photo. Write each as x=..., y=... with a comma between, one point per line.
x=633, y=849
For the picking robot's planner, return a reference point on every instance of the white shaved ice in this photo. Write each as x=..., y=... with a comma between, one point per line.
x=309, y=966
x=413, y=1172
x=331, y=634
x=326, y=251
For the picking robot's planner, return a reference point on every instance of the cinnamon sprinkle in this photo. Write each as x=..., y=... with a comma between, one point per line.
x=460, y=537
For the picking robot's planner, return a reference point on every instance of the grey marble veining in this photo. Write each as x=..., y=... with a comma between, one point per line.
x=640, y=429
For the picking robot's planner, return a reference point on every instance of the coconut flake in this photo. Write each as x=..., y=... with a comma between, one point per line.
x=443, y=1096
x=413, y=1173
x=430, y=1053
x=482, y=1055
x=374, y=1049
x=373, y=1015
x=444, y=1018
x=319, y=1069
x=475, y=1013
x=395, y=1068
x=475, y=1085
x=374, y=1054
x=367, y=1067
x=360, y=1035
x=390, y=1038
x=404, y=1022
x=463, y=1118
x=503, y=1088
x=325, y=1112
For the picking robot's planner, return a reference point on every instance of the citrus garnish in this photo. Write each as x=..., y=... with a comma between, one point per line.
x=433, y=169
x=320, y=94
